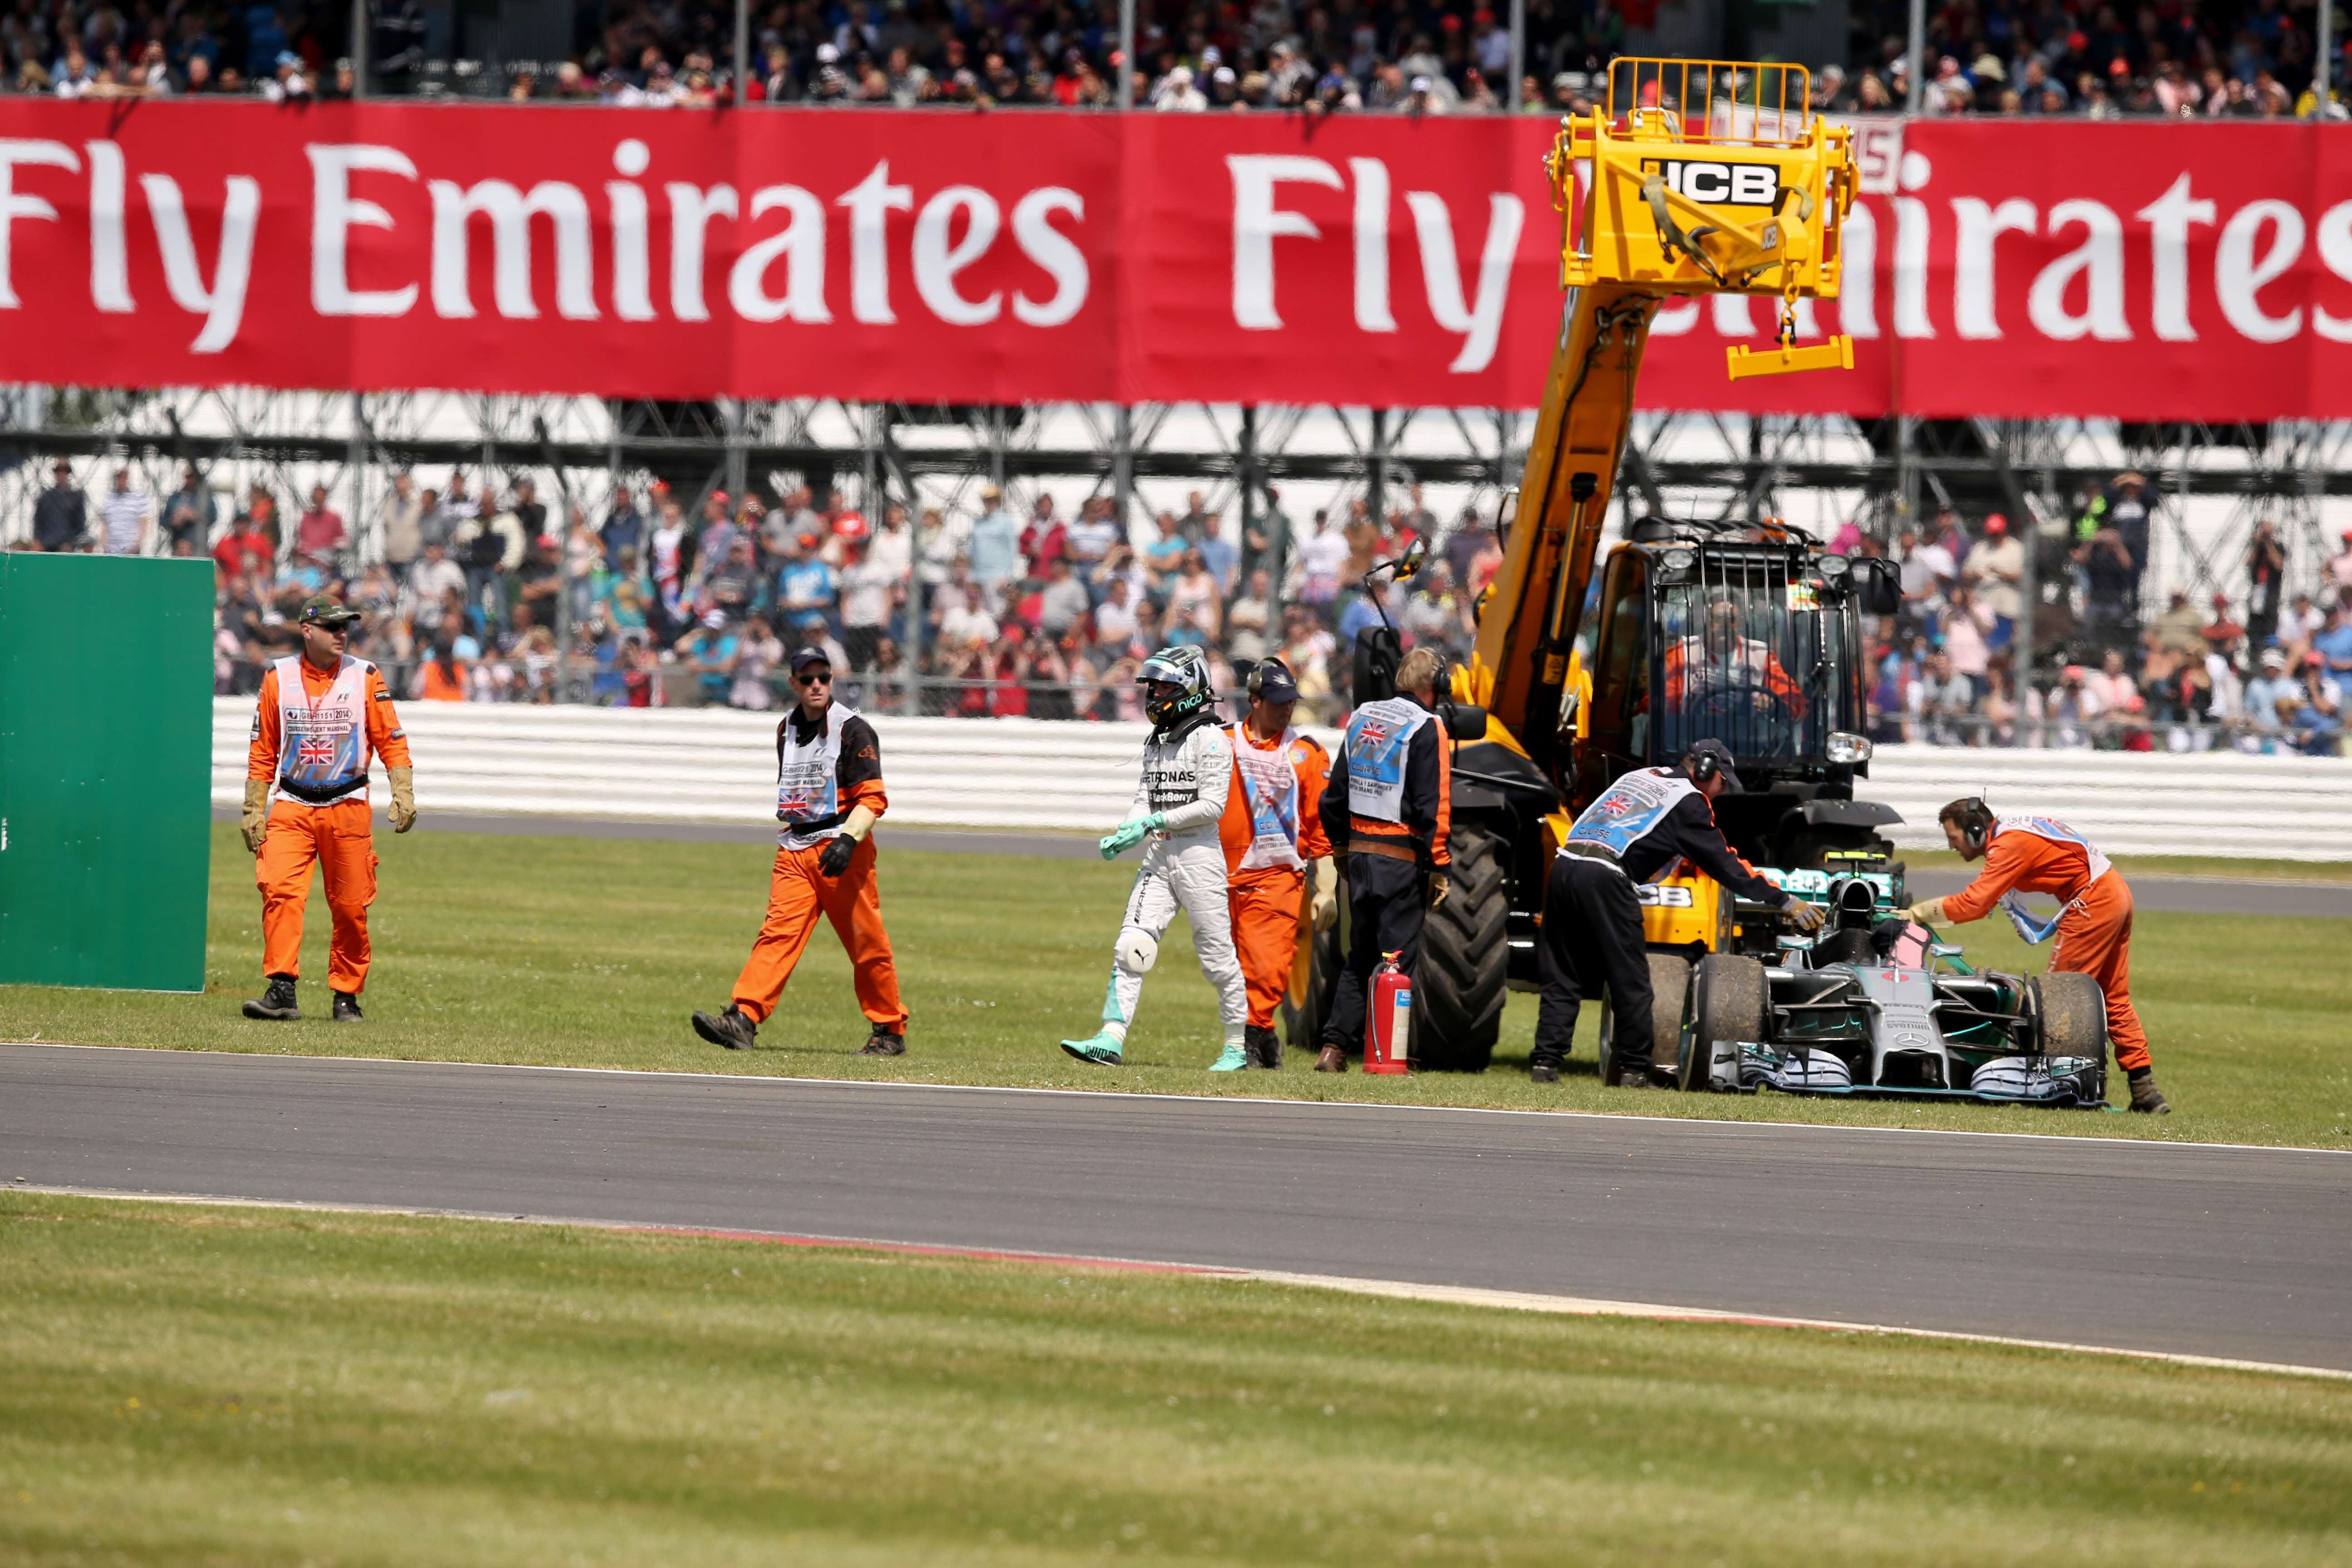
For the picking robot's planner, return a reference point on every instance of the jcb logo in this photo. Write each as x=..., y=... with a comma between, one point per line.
x=1720, y=184
x=1659, y=897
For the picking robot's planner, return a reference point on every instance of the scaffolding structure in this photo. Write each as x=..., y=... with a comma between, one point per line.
x=2209, y=483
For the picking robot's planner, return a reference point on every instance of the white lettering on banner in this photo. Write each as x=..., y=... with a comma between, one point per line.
x=633, y=295
x=870, y=202
x=937, y=258
x=109, y=251
x=801, y=242
x=1258, y=223
x=1051, y=249
x=223, y=305
x=1982, y=224
x=691, y=208
x=1674, y=318
x=2238, y=275
x=1373, y=312
x=1858, y=300
x=2099, y=261
x=14, y=153
x=1911, y=239
x=1731, y=317
x=1481, y=324
x=334, y=213
x=511, y=211
x=2169, y=218
x=2334, y=253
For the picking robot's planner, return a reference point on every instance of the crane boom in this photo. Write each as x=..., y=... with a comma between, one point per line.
x=1696, y=177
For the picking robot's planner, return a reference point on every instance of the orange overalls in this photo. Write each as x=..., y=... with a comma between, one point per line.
x=2036, y=854
x=818, y=780
x=338, y=837
x=1270, y=831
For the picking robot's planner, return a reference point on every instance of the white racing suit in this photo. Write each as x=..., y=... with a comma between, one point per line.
x=1183, y=864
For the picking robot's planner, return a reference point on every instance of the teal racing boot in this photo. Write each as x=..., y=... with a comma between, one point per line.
x=1233, y=1058
x=1103, y=1050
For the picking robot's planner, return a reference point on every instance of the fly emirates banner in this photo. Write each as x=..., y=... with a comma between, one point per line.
x=2020, y=268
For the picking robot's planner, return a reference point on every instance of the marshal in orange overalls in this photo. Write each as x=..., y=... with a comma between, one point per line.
x=2036, y=854
x=1271, y=833
x=824, y=770
x=314, y=747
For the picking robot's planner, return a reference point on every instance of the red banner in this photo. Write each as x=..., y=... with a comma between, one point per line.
x=2005, y=268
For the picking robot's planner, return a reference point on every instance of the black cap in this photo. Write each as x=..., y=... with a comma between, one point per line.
x=1271, y=680
x=1721, y=755
x=805, y=656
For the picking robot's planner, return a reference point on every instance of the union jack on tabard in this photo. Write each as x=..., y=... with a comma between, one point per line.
x=312, y=751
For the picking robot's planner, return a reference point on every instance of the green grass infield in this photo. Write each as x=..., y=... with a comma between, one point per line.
x=592, y=952
x=207, y=1386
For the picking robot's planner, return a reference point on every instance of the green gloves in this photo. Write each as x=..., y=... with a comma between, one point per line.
x=1128, y=835
x=255, y=825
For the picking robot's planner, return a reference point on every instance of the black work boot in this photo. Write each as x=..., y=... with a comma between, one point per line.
x=2146, y=1097
x=884, y=1043
x=1263, y=1046
x=277, y=1003
x=730, y=1030
x=347, y=1008
x=1543, y=1072
x=1630, y=1075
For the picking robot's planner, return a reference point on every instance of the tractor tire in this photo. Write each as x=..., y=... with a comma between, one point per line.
x=1302, y=1025
x=1728, y=1000
x=1670, y=974
x=1465, y=958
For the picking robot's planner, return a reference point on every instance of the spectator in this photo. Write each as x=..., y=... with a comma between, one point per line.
x=244, y=552
x=1320, y=557
x=806, y=586
x=624, y=530
x=189, y=514
x=1995, y=574
x=400, y=518
x=1064, y=604
x=319, y=534
x=431, y=582
x=995, y=547
x=870, y=589
x=2113, y=686
x=128, y=516
x=1195, y=592
x=2319, y=710
x=2266, y=691
x=709, y=650
x=61, y=515
x=1247, y=619
x=1092, y=536
x=758, y=652
x=2333, y=645
x=2265, y=579
x=2179, y=629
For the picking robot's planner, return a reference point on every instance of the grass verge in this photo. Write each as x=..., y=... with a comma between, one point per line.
x=213, y=1385
x=591, y=952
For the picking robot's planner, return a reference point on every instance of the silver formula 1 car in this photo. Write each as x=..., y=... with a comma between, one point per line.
x=1876, y=1005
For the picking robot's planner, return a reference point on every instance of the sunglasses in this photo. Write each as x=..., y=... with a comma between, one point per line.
x=824, y=679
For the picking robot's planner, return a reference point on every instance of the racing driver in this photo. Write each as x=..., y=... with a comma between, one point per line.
x=2040, y=854
x=1187, y=767
x=1273, y=847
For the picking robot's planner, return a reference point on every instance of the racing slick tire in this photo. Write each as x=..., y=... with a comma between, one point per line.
x=1466, y=960
x=1728, y=1000
x=1670, y=974
x=2070, y=1020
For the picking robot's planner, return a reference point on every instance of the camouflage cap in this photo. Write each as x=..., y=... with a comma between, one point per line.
x=326, y=610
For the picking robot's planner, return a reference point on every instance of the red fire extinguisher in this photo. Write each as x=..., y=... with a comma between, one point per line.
x=1390, y=1027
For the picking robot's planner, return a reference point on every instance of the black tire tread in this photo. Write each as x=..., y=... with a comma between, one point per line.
x=1465, y=970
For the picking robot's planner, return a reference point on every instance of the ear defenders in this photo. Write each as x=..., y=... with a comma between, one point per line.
x=1702, y=767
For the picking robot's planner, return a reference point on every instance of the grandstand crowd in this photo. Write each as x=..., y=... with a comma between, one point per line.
x=2178, y=58
x=474, y=593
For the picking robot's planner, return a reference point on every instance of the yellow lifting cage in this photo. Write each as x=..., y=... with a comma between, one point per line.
x=1708, y=177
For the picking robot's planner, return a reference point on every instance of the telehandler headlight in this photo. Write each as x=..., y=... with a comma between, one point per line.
x=1845, y=748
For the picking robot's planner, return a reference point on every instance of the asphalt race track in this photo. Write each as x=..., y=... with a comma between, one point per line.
x=2184, y=895
x=2203, y=1250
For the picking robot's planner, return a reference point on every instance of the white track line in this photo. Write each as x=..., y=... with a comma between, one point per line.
x=683, y=1075
x=1392, y=1289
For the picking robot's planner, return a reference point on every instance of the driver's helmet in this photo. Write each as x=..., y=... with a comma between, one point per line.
x=1182, y=667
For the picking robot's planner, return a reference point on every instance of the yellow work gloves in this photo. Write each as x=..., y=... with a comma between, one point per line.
x=1927, y=911
x=256, y=823
x=403, y=799
x=1437, y=888
x=1324, y=906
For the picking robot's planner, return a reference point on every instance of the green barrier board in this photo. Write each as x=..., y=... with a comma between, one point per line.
x=106, y=719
